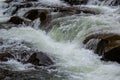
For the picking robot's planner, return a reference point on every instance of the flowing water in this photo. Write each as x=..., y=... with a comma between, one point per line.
x=64, y=42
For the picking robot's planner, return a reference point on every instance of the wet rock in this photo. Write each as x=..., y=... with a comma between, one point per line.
x=76, y=2
x=5, y=56
x=112, y=55
x=110, y=40
x=100, y=49
x=35, y=13
x=14, y=21
x=43, y=14
x=107, y=36
x=22, y=52
x=41, y=59
x=105, y=45
x=39, y=74
x=18, y=20
x=97, y=45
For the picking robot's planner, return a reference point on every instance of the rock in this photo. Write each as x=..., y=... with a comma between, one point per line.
x=105, y=45
x=36, y=13
x=17, y=20
x=5, y=56
x=97, y=45
x=76, y=2
x=22, y=52
x=43, y=14
x=100, y=49
x=41, y=59
x=112, y=55
x=107, y=36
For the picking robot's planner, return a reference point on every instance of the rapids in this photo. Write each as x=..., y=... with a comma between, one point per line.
x=64, y=42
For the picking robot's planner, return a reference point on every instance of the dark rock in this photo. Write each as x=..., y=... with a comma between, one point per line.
x=36, y=13
x=43, y=14
x=5, y=56
x=107, y=36
x=22, y=52
x=76, y=2
x=97, y=45
x=112, y=55
x=108, y=46
x=38, y=74
x=100, y=49
x=40, y=59
x=18, y=20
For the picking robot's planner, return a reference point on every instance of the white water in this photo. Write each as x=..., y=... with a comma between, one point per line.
x=71, y=57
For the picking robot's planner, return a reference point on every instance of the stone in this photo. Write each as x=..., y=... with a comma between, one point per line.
x=112, y=55
x=43, y=14
x=106, y=45
x=22, y=52
x=41, y=59
x=76, y=2
x=5, y=56
x=18, y=20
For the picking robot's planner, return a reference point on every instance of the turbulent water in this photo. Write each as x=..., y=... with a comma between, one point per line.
x=64, y=42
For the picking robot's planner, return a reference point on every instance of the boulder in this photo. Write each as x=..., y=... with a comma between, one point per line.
x=112, y=55
x=41, y=59
x=97, y=45
x=18, y=20
x=36, y=13
x=43, y=14
x=105, y=45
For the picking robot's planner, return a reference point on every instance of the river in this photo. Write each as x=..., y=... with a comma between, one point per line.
x=64, y=42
